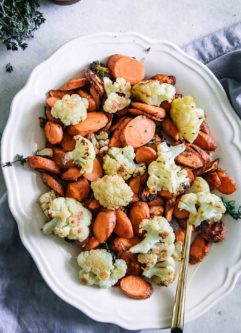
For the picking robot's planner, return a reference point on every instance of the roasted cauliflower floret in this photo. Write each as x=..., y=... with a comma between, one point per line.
x=45, y=201
x=153, y=92
x=100, y=142
x=83, y=154
x=159, y=236
x=199, y=185
x=118, y=94
x=164, y=174
x=97, y=267
x=71, y=109
x=69, y=219
x=112, y=192
x=187, y=117
x=163, y=273
x=203, y=206
x=120, y=161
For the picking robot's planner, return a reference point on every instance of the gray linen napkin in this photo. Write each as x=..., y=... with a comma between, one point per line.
x=26, y=302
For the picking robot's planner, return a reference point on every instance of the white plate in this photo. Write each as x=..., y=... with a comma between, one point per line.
x=55, y=258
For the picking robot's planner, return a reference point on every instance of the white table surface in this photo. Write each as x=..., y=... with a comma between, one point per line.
x=178, y=21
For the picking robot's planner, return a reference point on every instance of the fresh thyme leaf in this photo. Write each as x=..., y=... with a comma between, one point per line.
x=18, y=21
x=232, y=209
x=148, y=49
x=18, y=159
x=9, y=68
x=99, y=69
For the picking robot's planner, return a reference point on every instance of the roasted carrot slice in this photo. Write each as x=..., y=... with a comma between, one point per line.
x=92, y=105
x=118, y=128
x=130, y=69
x=165, y=194
x=58, y=93
x=136, y=287
x=75, y=83
x=93, y=205
x=43, y=164
x=205, y=141
x=124, y=244
x=122, y=112
x=180, y=213
x=108, y=125
x=50, y=101
x=138, y=212
x=155, y=111
x=53, y=132
x=156, y=210
x=92, y=243
x=170, y=129
x=166, y=105
x=96, y=173
x=169, y=208
x=72, y=173
x=53, y=184
x=227, y=185
x=202, y=153
x=93, y=123
x=96, y=97
x=78, y=190
x=198, y=250
x=135, y=184
x=145, y=155
x=204, y=127
x=137, y=112
x=139, y=131
x=95, y=81
x=67, y=143
x=180, y=235
x=112, y=60
x=133, y=266
x=104, y=225
x=190, y=158
x=123, y=226
x=156, y=202
x=213, y=166
x=58, y=157
x=164, y=78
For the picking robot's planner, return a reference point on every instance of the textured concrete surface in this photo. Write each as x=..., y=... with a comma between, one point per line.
x=177, y=21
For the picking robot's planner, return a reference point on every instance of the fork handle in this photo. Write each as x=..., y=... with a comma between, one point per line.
x=179, y=307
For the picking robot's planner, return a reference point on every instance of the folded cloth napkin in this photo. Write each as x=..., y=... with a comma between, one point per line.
x=26, y=302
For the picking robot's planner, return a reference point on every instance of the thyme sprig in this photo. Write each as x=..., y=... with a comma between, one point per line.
x=19, y=159
x=232, y=209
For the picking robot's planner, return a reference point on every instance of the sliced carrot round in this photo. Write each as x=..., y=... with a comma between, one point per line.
x=68, y=143
x=136, y=287
x=112, y=60
x=139, y=131
x=145, y=155
x=72, y=173
x=155, y=111
x=92, y=105
x=170, y=129
x=138, y=212
x=104, y=225
x=123, y=226
x=43, y=164
x=92, y=243
x=228, y=185
x=74, y=83
x=124, y=244
x=78, y=190
x=53, y=132
x=180, y=213
x=96, y=173
x=50, y=101
x=128, y=68
x=93, y=123
x=53, y=184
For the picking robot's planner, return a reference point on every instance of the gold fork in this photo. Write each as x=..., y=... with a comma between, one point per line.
x=179, y=306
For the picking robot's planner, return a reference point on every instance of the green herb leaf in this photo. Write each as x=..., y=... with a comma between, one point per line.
x=232, y=209
x=18, y=159
x=9, y=68
x=18, y=20
x=100, y=69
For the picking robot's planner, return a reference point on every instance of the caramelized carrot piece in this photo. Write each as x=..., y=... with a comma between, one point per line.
x=43, y=164
x=130, y=69
x=169, y=208
x=50, y=101
x=67, y=143
x=205, y=141
x=93, y=205
x=204, y=127
x=202, y=153
x=180, y=213
x=53, y=184
x=155, y=111
x=53, y=132
x=164, y=78
x=93, y=123
x=138, y=212
x=136, y=287
x=145, y=155
x=104, y=225
x=166, y=105
x=58, y=93
x=198, y=250
x=156, y=202
x=227, y=185
x=137, y=112
x=138, y=132
x=190, y=158
x=96, y=97
x=75, y=83
x=92, y=243
x=108, y=125
x=72, y=173
x=133, y=266
x=118, y=128
x=170, y=129
x=213, y=166
x=135, y=184
x=78, y=190
x=165, y=194
x=124, y=244
x=59, y=157
x=112, y=60
x=122, y=112
x=95, y=81
x=156, y=210
x=180, y=235
x=92, y=105
x=135, y=198
x=96, y=173
x=123, y=226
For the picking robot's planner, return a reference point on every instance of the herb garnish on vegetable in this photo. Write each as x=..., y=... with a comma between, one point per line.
x=232, y=209
x=19, y=158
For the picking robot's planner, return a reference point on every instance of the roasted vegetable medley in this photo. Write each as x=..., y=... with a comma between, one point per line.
x=128, y=162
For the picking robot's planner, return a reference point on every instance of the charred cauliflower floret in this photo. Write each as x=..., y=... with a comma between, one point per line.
x=153, y=92
x=163, y=273
x=97, y=267
x=112, y=192
x=71, y=109
x=69, y=219
x=45, y=201
x=187, y=117
x=118, y=95
x=83, y=154
x=199, y=185
x=202, y=206
x=120, y=161
x=164, y=174
x=100, y=142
